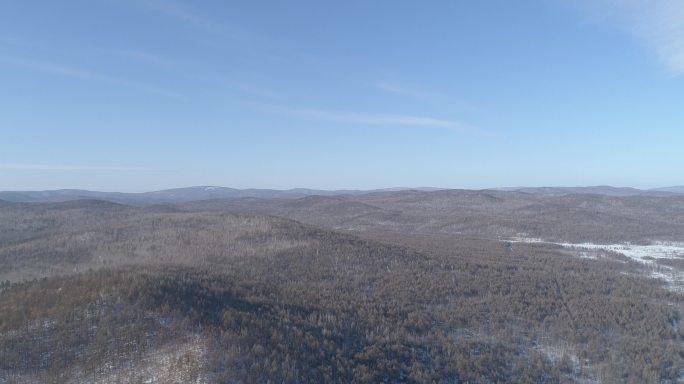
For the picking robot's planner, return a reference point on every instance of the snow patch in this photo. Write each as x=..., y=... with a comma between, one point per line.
x=644, y=254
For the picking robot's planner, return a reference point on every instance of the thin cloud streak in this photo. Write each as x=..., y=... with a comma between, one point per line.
x=56, y=167
x=241, y=87
x=375, y=119
x=393, y=88
x=192, y=17
x=85, y=74
x=182, y=12
x=258, y=91
x=424, y=96
x=151, y=58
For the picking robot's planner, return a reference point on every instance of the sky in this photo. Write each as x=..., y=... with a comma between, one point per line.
x=140, y=95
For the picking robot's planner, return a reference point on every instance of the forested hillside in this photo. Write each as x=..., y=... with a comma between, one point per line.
x=100, y=292
x=484, y=214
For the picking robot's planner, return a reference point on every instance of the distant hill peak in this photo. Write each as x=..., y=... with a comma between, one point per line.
x=606, y=190
x=675, y=189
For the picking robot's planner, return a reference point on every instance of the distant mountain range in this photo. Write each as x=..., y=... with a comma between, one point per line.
x=189, y=194
x=180, y=195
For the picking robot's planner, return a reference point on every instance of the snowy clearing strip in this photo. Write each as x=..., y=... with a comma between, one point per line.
x=644, y=254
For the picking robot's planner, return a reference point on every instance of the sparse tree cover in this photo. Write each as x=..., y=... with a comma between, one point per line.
x=98, y=292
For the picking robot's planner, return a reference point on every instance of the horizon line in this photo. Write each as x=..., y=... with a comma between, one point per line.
x=398, y=189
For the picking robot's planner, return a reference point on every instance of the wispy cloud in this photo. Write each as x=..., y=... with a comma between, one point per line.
x=659, y=24
x=151, y=58
x=185, y=13
x=422, y=95
x=404, y=91
x=182, y=12
x=85, y=74
x=257, y=91
x=374, y=119
x=57, y=167
x=240, y=86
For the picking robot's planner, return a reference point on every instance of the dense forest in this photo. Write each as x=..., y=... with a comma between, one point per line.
x=102, y=292
x=489, y=214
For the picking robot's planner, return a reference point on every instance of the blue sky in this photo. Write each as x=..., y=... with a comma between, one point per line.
x=137, y=95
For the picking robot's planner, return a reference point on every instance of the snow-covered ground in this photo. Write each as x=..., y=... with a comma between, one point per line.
x=641, y=253
x=644, y=254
